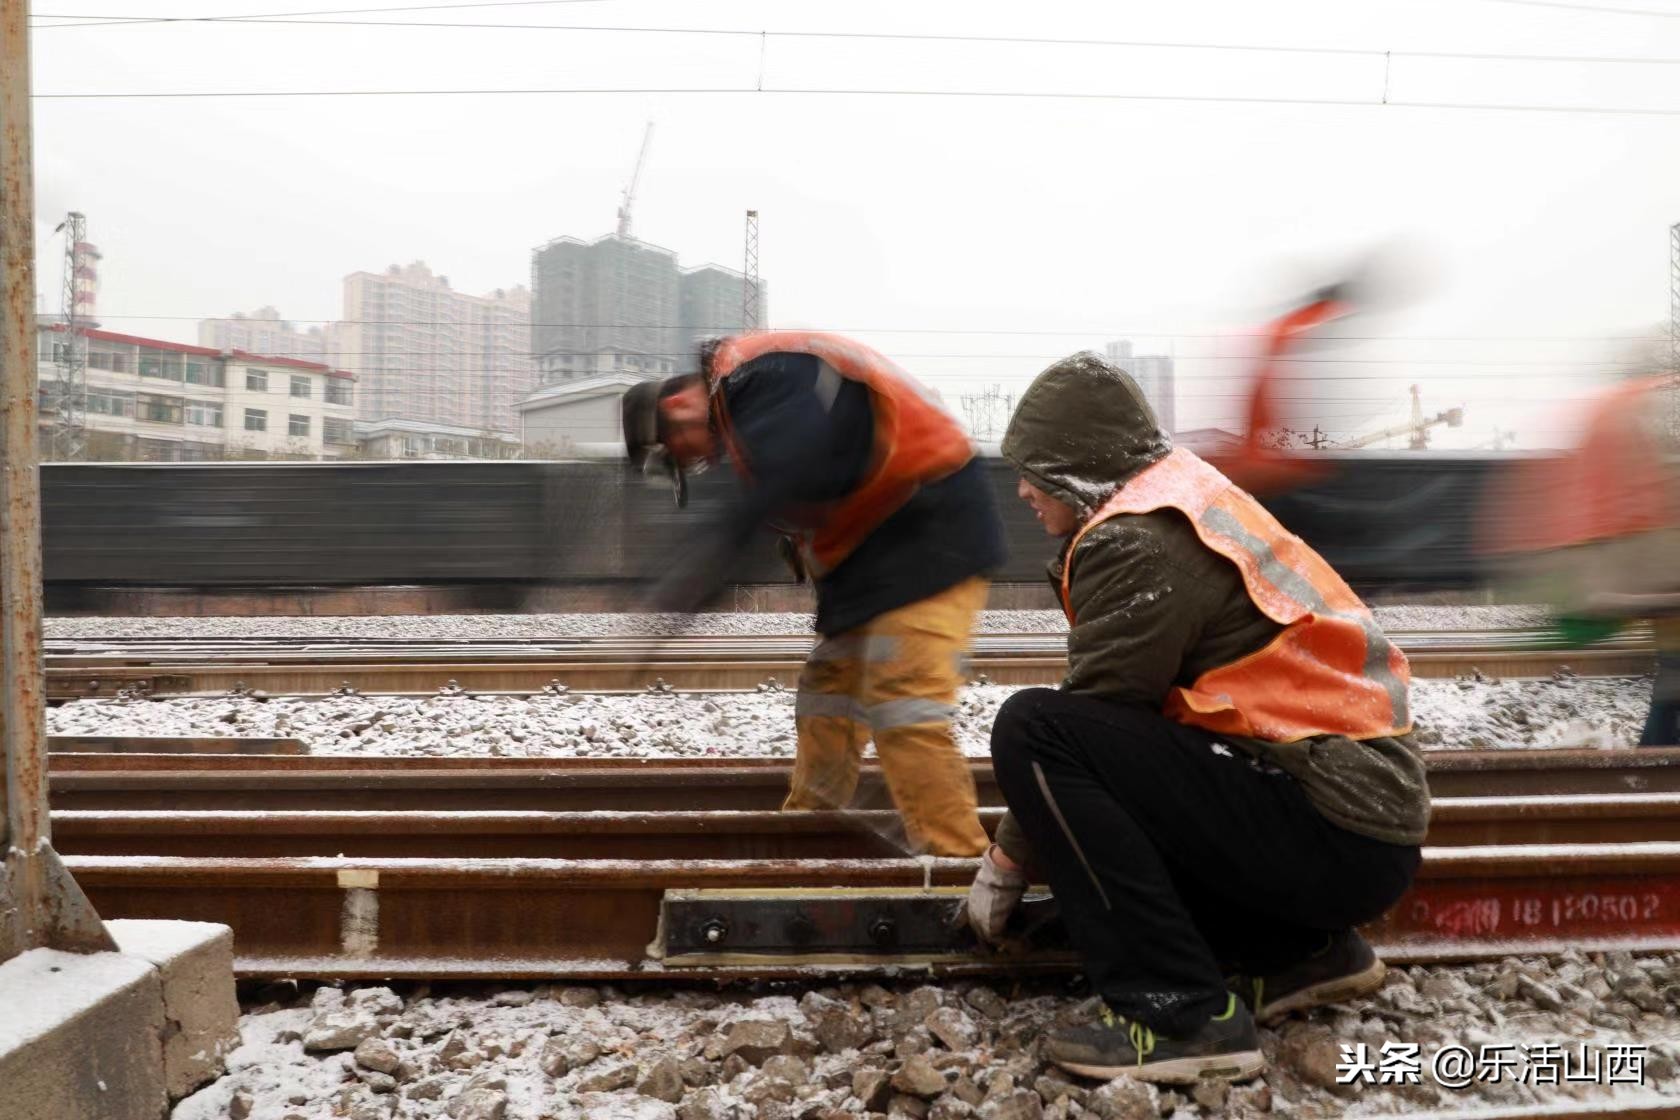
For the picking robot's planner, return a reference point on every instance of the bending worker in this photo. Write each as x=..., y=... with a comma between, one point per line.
x=876, y=489
x=1219, y=786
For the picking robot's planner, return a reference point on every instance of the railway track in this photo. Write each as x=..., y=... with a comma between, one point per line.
x=183, y=666
x=354, y=867
x=277, y=783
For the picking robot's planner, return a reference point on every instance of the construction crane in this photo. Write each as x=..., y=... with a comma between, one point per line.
x=630, y=190
x=1417, y=428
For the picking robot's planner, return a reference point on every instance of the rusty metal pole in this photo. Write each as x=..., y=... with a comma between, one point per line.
x=40, y=904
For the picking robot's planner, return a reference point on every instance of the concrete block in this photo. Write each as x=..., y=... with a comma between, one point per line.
x=194, y=961
x=80, y=1037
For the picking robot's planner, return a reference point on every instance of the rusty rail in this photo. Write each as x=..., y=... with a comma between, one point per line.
x=521, y=917
x=502, y=867
x=254, y=783
x=732, y=834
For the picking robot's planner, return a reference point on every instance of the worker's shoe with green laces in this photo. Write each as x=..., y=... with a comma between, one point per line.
x=1226, y=1047
x=1344, y=969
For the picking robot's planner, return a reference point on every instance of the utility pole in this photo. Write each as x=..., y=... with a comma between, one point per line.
x=40, y=904
x=749, y=276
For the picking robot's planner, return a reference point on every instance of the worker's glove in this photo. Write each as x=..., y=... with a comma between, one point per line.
x=788, y=549
x=993, y=897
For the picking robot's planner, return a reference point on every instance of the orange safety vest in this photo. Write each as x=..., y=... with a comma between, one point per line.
x=1615, y=483
x=1330, y=672
x=1253, y=465
x=916, y=440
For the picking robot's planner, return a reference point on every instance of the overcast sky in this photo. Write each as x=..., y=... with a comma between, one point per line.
x=973, y=238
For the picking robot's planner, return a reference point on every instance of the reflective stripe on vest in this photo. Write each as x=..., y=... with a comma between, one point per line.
x=916, y=440
x=1330, y=672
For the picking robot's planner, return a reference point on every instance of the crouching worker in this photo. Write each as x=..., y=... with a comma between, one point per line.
x=875, y=487
x=1217, y=794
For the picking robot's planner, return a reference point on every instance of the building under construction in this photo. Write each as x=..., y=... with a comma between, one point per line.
x=617, y=305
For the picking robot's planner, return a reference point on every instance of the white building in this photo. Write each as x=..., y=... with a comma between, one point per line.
x=418, y=439
x=574, y=417
x=285, y=408
x=157, y=401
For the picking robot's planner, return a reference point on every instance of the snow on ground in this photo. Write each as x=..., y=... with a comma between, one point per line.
x=463, y=626
x=1562, y=711
x=959, y=1050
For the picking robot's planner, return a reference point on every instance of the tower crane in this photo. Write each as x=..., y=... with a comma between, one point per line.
x=1417, y=428
x=630, y=190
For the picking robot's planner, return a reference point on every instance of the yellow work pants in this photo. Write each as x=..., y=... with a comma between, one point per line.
x=895, y=680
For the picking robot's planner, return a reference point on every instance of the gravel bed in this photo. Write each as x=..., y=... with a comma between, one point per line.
x=1564, y=710
x=863, y=1051
x=422, y=627
x=491, y=626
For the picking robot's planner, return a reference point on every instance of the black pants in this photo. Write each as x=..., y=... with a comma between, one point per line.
x=1176, y=859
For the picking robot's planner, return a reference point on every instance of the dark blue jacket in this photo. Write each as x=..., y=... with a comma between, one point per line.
x=808, y=448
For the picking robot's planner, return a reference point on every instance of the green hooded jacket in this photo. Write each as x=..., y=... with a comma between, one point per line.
x=1158, y=608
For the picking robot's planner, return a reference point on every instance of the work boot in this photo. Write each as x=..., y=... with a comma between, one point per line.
x=1226, y=1046
x=1345, y=968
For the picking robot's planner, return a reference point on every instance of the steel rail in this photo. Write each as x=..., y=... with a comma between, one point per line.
x=174, y=667
x=255, y=783
x=731, y=834
x=527, y=918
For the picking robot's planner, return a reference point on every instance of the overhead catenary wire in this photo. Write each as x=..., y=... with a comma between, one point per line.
x=110, y=20
x=1604, y=9
x=770, y=91
x=761, y=34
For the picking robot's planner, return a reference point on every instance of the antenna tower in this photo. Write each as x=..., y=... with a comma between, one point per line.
x=988, y=412
x=749, y=276
x=67, y=441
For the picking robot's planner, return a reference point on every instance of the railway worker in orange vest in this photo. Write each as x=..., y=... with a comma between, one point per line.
x=879, y=498
x=1220, y=791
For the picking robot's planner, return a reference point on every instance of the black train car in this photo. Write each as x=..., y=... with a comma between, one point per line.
x=1394, y=522
x=1401, y=521
x=293, y=524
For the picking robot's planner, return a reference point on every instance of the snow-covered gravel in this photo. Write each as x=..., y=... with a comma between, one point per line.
x=490, y=626
x=958, y=1050
x=1562, y=711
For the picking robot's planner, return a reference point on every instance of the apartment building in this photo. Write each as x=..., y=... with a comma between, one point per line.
x=150, y=400
x=1154, y=375
x=422, y=351
x=263, y=331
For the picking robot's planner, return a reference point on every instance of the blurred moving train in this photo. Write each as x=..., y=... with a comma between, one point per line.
x=1389, y=521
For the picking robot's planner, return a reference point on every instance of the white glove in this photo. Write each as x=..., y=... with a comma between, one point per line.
x=993, y=897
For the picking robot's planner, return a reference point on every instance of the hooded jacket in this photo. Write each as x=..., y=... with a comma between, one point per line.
x=1155, y=607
